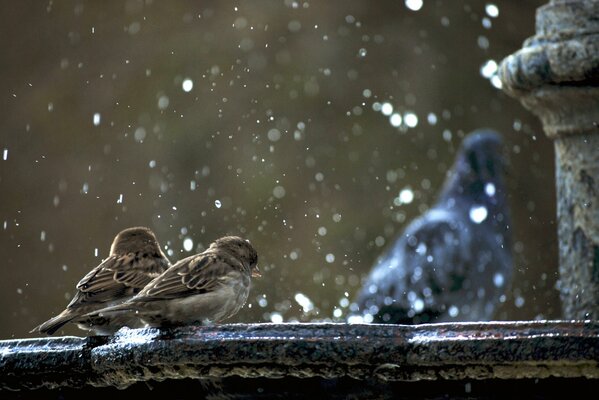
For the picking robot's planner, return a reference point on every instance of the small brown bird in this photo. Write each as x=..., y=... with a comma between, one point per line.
x=135, y=259
x=206, y=287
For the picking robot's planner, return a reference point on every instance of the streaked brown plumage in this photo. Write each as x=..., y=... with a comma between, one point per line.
x=135, y=259
x=206, y=287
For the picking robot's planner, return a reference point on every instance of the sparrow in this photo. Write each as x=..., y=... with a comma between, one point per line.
x=203, y=288
x=135, y=259
x=454, y=262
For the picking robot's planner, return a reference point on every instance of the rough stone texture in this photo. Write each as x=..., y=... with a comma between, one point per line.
x=556, y=76
x=578, y=179
x=328, y=352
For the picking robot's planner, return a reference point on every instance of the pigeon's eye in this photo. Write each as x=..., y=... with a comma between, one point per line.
x=491, y=167
x=473, y=161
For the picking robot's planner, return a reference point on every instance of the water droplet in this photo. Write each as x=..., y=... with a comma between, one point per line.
x=478, y=214
x=140, y=134
x=274, y=135
x=418, y=305
x=411, y=119
x=5, y=154
x=362, y=52
x=498, y=280
x=492, y=10
x=453, y=311
x=217, y=203
x=490, y=189
x=97, y=119
x=279, y=192
x=414, y=5
x=304, y=302
x=163, y=102
x=120, y=199
x=406, y=196
x=431, y=118
x=387, y=109
x=395, y=119
x=188, y=244
x=489, y=69
x=330, y=258
x=276, y=318
x=187, y=85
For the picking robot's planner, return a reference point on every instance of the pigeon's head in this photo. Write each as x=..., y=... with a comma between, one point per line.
x=480, y=156
x=477, y=175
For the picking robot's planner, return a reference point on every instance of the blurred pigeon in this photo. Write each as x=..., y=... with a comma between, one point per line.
x=452, y=263
x=135, y=259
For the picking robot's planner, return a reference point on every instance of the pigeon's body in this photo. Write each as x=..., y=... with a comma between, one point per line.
x=454, y=262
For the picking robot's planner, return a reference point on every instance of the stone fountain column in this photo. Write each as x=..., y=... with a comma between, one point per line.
x=556, y=76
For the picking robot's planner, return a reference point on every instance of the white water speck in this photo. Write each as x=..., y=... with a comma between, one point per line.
x=187, y=85
x=278, y=192
x=187, y=244
x=431, y=118
x=276, y=318
x=217, y=203
x=490, y=189
x=492, y=10
x=411, y=119
x=97, y=118
x=478, y=214
x=304, y=302
x=140, y=134
x=414, y=5
x=453, y=311
x=418, y=305
x=163, y=102
x=489, y=69
x=387, y=109
x=330, y=258
x=406, y=196
x=498, y=280
x=96, y=252
x=5, y=154
x=120, y=199
x=395, y=119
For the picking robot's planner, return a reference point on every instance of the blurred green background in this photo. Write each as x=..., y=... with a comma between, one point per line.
x=125, y=113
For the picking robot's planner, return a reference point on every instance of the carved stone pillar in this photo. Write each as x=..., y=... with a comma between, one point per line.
x=556, y=76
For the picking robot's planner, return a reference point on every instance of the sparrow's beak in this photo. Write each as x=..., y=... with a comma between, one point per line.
x=256, y=272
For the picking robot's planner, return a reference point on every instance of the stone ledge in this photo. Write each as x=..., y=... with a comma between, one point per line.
x=381, y=353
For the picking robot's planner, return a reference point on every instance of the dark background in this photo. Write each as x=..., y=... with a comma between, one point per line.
x=299, y=70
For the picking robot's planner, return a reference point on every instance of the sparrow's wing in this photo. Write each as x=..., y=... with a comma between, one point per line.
x=118, y=276
x=194, y=275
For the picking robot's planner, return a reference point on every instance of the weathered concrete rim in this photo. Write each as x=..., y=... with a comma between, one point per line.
x=490, y=350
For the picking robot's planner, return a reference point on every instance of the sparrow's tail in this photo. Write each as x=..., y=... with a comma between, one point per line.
x=54, y=324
